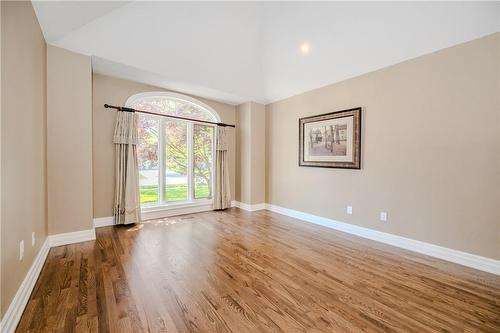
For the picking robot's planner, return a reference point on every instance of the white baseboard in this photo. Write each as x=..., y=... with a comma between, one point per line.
x=11, y=318
x=249, y=207
x=16, y=308
x=455, y=256
x=103, y=221
x=71, y=237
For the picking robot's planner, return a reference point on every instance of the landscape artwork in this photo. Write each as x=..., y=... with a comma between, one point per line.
x=331, y=140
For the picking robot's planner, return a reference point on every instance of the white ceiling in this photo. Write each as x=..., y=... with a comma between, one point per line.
x=249, y=51
x=58, y=18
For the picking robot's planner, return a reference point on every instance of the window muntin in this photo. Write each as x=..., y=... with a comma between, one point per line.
x=175, y=156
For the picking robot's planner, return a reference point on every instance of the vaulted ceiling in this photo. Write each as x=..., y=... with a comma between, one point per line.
x=250, y=51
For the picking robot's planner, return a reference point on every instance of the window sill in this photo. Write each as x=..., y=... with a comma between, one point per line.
x=174, y=209
x=176, y=205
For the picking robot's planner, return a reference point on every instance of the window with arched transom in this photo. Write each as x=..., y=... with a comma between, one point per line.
x=176, y=157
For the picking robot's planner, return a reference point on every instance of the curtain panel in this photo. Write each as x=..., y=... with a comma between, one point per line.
x=222, y=194
x=127, y=206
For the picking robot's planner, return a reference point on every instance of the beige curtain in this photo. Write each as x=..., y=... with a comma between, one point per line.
x=127, y=207
x=222, y=195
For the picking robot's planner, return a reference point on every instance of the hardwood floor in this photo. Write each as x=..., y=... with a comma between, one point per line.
x=236, y=271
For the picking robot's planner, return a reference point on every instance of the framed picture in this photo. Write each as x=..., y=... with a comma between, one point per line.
x=331, y=140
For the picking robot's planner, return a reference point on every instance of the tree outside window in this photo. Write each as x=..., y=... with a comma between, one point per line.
x=175, y=156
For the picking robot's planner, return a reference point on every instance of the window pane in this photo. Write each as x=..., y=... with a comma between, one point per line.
x=176, y=161
x=202, y=161
x=147, y=153
x=174, y=107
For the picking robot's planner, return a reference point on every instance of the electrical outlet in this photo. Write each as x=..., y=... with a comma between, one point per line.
x=383, y=216
x=21, y=250
x=33, y=238
x=349, y=210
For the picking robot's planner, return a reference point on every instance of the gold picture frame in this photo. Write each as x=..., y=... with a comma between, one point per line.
x=331, y=140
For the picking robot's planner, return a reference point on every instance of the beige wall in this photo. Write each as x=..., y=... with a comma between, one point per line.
x=430, y=151
x=23, y=140
x=69, y=141
x=251, y=153
x=115, y=91
x=498, y=146
x=243, y=153
x=258, y=161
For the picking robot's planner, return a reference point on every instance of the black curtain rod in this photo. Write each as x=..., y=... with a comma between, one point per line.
x=124, y=109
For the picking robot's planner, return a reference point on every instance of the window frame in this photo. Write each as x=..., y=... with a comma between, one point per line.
x=191, y=201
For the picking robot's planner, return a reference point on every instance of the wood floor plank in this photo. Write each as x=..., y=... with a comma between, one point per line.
x=236, y=271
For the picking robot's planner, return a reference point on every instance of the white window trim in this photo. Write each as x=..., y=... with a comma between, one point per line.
x=164, y=209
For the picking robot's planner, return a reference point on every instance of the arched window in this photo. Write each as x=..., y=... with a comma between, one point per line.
x=175, y=156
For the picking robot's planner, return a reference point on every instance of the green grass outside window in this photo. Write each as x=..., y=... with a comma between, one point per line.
x=178, y=192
